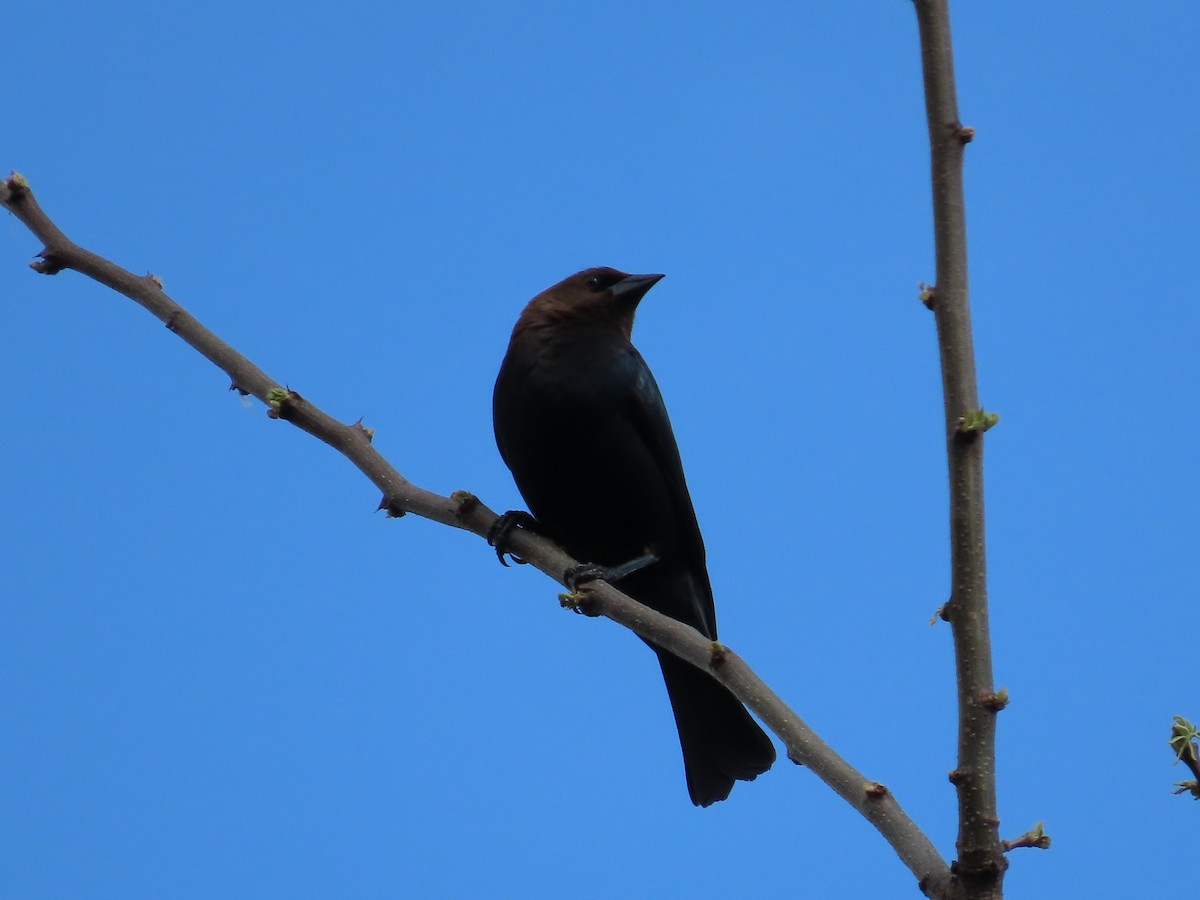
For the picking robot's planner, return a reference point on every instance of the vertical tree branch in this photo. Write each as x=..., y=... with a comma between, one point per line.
x=981, y=863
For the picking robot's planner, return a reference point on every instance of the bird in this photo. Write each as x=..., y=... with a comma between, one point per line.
x=582, y=426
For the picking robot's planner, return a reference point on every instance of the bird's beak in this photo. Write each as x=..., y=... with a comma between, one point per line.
x=632, y=288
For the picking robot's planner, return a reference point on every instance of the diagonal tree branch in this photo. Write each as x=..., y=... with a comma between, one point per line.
x=981, y=862
x=463, y=510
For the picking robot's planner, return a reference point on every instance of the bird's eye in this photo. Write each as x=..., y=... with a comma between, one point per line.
x=595, y=285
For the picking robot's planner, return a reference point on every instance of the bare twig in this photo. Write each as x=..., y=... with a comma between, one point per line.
x=981, y=863
x=464, y=510
x=1035, y=837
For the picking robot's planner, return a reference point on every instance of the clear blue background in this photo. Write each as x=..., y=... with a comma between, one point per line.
x=225, y=676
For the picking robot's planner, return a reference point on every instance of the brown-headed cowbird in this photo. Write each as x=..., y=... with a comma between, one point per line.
x=581, y=423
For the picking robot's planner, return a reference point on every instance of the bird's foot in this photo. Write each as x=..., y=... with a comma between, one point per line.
x=581, y=574
x=500, y=531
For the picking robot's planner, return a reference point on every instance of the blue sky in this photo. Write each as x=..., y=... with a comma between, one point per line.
x=224, y=675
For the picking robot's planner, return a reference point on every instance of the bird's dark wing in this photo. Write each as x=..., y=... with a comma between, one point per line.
x=653, y=426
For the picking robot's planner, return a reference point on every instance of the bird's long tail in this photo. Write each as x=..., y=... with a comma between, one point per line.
x=721, y=742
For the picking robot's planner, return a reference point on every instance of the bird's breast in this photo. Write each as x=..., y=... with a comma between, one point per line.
x=564, y=424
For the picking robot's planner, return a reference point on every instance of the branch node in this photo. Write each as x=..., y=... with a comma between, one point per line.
x=580, y=601
x=1183, y=733
x=928, y=294
x=49, y=262
x=875, y=791
x=154, y=280
x=980, y=868
x=996, y=701
x=956, y=777
x=942, y=612
x=361, y=429
x=465, y=501
x=393, y=506
x=977, y=421
x=966, y=133
x=234, y=386
x=1183, y=741
x=17, y=185
x=1188, y=787
x=278, y=399
x=718, y=655
x=1035, y=837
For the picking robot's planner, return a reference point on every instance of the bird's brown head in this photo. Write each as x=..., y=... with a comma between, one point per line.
x=601, y=296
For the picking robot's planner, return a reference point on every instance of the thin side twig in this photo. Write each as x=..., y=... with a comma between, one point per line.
x=1187, y=750
x=464, y=510
x=1035, y=837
